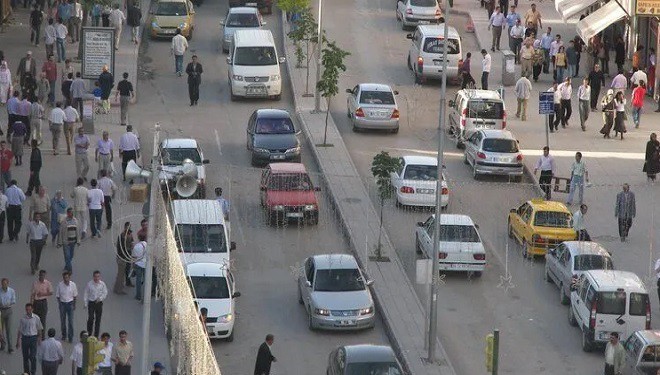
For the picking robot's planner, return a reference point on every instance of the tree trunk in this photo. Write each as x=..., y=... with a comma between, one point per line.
x=325, y=131
x=380, y=229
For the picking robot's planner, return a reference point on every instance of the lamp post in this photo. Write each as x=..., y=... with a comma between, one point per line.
x=319, y=43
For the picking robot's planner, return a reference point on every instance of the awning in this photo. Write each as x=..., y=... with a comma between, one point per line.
x=599, y=20
x=568, y=9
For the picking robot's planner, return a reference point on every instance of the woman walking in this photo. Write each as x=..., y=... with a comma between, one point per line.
x=620, y=117
x=652, y=158
x=607, y=104
x=5, y=82
x=560, y=64
x=17, y=137
x=638, y=95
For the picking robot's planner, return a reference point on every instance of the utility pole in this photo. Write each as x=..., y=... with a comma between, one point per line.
x=433, y=301
x=319, y=62
x=151, y=243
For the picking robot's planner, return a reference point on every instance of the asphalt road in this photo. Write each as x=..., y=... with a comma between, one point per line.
x=266, y=257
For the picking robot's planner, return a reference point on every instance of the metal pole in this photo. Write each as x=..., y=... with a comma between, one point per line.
x=151, y=243
x=547, y=130
x=319, y=47
x=496, y=350
x=433, y=303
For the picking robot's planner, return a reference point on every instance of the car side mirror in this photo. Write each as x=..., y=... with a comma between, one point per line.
x=409, y=36
x=420, y=223
x=396, y=92
x=236, y=294
x=349, y=91
x=308, y=283
x=552, y=251
x=369, y=283
x=229, y=60
x=206, y=161
x=451, y=103
x=222, y=22
x=232, y=246
x=282, y=60
x=476, y=226
x=316, y=188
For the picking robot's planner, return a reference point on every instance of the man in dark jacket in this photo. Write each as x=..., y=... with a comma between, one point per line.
x=264, y=357
x=134, y=16
x=26, y=65
x=35, y=167
x=36, y=18
x=194, y=71
x=106, y=82
x=596, y=81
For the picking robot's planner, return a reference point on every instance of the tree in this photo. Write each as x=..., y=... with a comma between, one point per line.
x=332, y=60
x=293, y=6
x=305, y=31
x=381, y=168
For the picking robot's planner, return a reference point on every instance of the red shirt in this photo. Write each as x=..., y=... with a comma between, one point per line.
x=638, y=97
x=5, y=160
x=50, y=67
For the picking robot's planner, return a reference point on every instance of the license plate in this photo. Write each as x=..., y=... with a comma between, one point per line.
x=256, y=90
x=424, y=22
x=169, y=31
x=502, y=160
x=294, y=214
x=277, y=157
x=347, y=322
x=425, y=191
x=209, y=328
x=604, y=336
x=460, y=266
x=437, y=63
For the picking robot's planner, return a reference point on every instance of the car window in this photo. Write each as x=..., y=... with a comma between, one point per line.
x=522, y=208
x=205, y=287
x=429, y=225
x=436, y=45
x=592, y=262
x=421, y=172
x=417, y=39
x=631, y=344
x=613, y=303
x=584, y=286
x=527, y=214
x=242, y=20
x=500, y=145
x=638, y=304
x=651, y=353
x=565, y=258
x=170, y=9
x=589, y=298
x=424, y=3
x=274, y=126
x=355, y=91
x=459, y=233
x=338, y=280
x=552, y=219
x=372, y=368
x=289, y=182
x=176, y=156
x=485, y=109
x=255, y=56
x=201, y=238
x=376, y=97
x=402, y=165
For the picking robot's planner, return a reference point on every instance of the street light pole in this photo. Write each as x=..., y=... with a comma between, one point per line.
x=319, y=47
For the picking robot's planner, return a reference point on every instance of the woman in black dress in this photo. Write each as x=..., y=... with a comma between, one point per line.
x=652, y=158
x=620, y=117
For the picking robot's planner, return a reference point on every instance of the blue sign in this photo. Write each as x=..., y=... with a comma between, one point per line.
x=546, y=103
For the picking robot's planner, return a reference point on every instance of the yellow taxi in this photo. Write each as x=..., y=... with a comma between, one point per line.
x=168, y=15
x=540, y=225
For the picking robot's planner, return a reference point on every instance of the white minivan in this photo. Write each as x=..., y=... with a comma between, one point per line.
x=606, y=301
x=254, y=66
x=425, y=55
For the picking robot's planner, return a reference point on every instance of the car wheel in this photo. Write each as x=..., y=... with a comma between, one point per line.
x=465, y=159
x=395, y=130
x=418, y=249
x=300, y=300
x=418, y=79
x=510, y=230
x=254, y=162
x=587, y=342
x=460, y=145
x=310, y=322
x=475, y=174
x=355, y=128
x=563, y=299
x=277, y=97
x=571, y=318
x=231, y=337
x=403, y=26
x=273, y=218
x=408, y=62
x=525, y=253
x=477, y=273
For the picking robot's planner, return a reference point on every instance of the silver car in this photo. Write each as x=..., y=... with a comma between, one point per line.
x=565, y=263
x=418, y=12
x=241, y=18
x=373, y=106
x=335, y=293
x=494, y=152
x=365, y=359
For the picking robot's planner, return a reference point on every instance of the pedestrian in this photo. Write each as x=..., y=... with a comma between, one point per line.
x=579, y=174
x=625, y=210
x=66, y=294
x=224, y=204
x=39, y=204
x=125, y=93
x=66, y=70
x=69, y=238
x=78, y=91
x=133, y=19
x=18, y=132
x=105, y=367
x=523, y=93
x=512, y=17
x=615, y=355
x=60, y=41
x=490, y=6
x=75, y=21
x=41, y=290
x=104, y=154
x=124, y=248
x=3, y=210
x=555, y=118
x=565, y=93
x=117, y=19
x=122, y=354
x=555, y=45
x=485, y=69
x=13, y=110
x=77, y=355
x=560, y=64
x=96, y=14
x=194, y=71
x=50, y=69
x=496, y=22
x=66, y=89
x=108, y=187
x=81, y=143
x=139, y=255
x=35, y=169
x=464, y=71
x=36, y=236
x=516, y=35
x=95, y=204
x=144, y=227
x=106, y=82
x=650, y=83
x=179, y=47
x=596, y=81
x=578, y=44
x=51, y=354
x=546, y=164
x=638, y=77
x=619, y=53
x=533, y=17
x=37, y=111
x=25, y=110
x=129, y=148
x=158, y=368
x=7, y=302
x=526, y=59
x=26, y=65
x=57, y=117
x=579, y=225
x=652, y=158
x=5, y=164
x=571, y=59
x=619, y=83
x=637, y=100
x=50, y=36
x=638, y=59
x=584, y=98
x=29, y=338
x=620, y=117
x=5, y=83
x=95, y=294
x=36, y=19
x=607, y=105
x=58, y=206
x=15, y=199
x=72, y=116
x=79, y=196
x=264, y=357
x=64, y=12
x=105, y=16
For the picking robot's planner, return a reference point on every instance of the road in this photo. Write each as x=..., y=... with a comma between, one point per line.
x=265, y=256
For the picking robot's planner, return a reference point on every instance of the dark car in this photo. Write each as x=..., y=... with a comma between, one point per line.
x=363, y=360
x=272, y=136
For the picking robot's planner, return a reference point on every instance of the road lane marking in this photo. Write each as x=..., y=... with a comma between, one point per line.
x=217, y=141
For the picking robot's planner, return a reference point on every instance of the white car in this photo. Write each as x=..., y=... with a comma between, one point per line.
x=461, y=248
x=173, y=152
x=373, y=106
x=415, y=183
x=240, y=18
x=214, y=288
x=418, y=12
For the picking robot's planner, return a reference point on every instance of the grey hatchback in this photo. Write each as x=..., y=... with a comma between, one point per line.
x=363, y=360
x=272, y=136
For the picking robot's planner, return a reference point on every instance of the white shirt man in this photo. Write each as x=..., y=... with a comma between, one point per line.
x=66, y=293
x=517, y=31
x=50, y=34
x=485, y=63
x=71, y=115
x=179, y=45
x=57, y=116
x=129, y=142
x=584, y=92
x=60, y=31
x=139, y=254
x=554, y=46
x=565, y=91
x=95, y=199
x=638, y=77
x=77, y=358
x=117, y=18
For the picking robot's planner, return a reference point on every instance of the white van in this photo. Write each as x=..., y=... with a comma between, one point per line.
x=426, y=51
x=606, y=301
x=254, y=66
x=472, y=110
x=200, y=230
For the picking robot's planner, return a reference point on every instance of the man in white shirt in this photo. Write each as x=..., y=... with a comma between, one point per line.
x=56, y=120
x=485, y=69
x=37, y=233
x=578, y=224
x=619, y=83
x=105, y=367
x=77, y=355
x=66, y=294
x=75, y=20
x=95, y=201
x=15, y=199
x=71, y=117
x=79, y=196
x=523, y=92
x=497, y=22
x=139, y=254
x=50, y=36
x=51, y=354
x=3, y=214
x=637, y=77
x=565, y=92
x=95, y=293
x=554, y=48
x=117, y=19
x=516, y=35
x=108, y=188
x=584, y=100
x=129, y=148
x=555, y=118
x=105, y=153
x=179, y=47
x=546, y=164
x=615, y=355
x=60, y=41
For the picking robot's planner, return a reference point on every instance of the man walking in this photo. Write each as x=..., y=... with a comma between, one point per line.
x=129, y=148
x=60, y=41
x=578, y=224
x=36, y=163
x=77, y=355
x=546, y=43
x=139, y=261
x=122, y=354
x=533, y=17
x=7, y=302
x=264, y=357
x=28, y=339
x=66, y=294
x=81, y=143
x=3, y=210
x=224, y=204
x=104, y=153
x=36, y=19
x=117, y=19
x=41, y=290
x=496, y=22
x=72, y=116
x=50, y=68
x=485, y=69
x=108, y=188
x=69, y=238
x=95, y=294
x=50, y=35
x=26, y=66
x=615, y=355
x=75, y=21
x=15, y=199
x=124, y=259
x=584, y=98
x=51, y=354
x=523, y=92
x=5, y=164
x=57, y=117
x=95, y=202
x=78, y=91
x=194, y=71
x=565, y=92
x=134, y=16
x=516, y=35
x=79, y=195
x=546, y=164
x=105, y=367
x=625, y=210
x=125, y=94
x=179, y=47
x=37, y=234
x=579, y=174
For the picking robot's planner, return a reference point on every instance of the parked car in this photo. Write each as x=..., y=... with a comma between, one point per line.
x=174, y=151
x=473, y=110
x=362, y=360
x=461, y=248
x=418, y=12
x=240, y=18
x=265, y=5
x=272, y=136
x=540, y=225
x=565, y=263
x=494, y=152
x=169, y=15
x=287, y=193
x=425, y=55
x=415, y=182
x=373, y=106
x=335, y=293
x=642, y=353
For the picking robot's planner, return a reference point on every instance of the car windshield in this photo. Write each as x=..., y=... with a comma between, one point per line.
x=377, y=97
x=170, y=9
x=289, y=181
x=421, y=172
x=201, y=238
x=506, y=146
x=592, y=262
x=176, y=156
x=458, y=233
x=424, y=3
x=435, y=45
x=485, y=109
x=386, y=368
x=338, y=280
x=651, y=354
x=275, y=126
x=638, y=303
x=611, y=303
x=242, y=20
x=552, y=219
x=209, y=287
x=255, y=56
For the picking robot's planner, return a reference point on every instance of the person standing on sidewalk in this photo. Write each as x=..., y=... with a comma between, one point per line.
x=620, y=117
x=78, y=91
x=637, y=77
x=72, y=116
x=516, y=36
x=555, y=118
x=104, y=153
x=25, y=66
x=511, y=18
x=51, y=354
x=117, y=20
x=625, y=210
x=179, y=47
x=37, y=111
x=50, y=69
x=60, y=41
x=523, y=92
x=95, y=204
x=15, y=199
x=615, y=355
x=5, y=83
x=36, y=19
x=638, y=95
x=584, y=97
x=41, y=290
x=81, y=143
x=578, y=224
x=558, y=58
x=7, y=302
x=3, y=212
x=39, y=204
x=125, y=94
x=496, y=22
x=134, y=16
x=464, y=71
x=533, y=17
x=129, y=148
x=526, y=59
x=566, y=93
x=122, y=354
x=139, y=255
x=264, y=357
x=28, y=339
x=69, y=238
x=96, y=14
x=75, y=21
x=56, y=120
x=108, y=188
x=5, y=164
x=652, y=158
x=571, y=59
x=607, y=104
x=596, y=81
x=95, y=293
x=79, y=196
x=124, y=247
x=106, y=82
x=546, y=164
x=50, y=36
x=105, y=367
x=619, y=83
x=77, y=355
x=36, y=163
x=66, y=294
x=58, y=206
x=579, y=174
x=485, y=69
x=36, y=236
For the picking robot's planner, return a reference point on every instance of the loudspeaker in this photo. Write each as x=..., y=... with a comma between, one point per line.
x=186, y=186
x=133, y=171
x=189, y=168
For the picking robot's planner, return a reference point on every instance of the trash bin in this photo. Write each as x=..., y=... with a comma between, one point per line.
x=508, y=68
x=87, y=115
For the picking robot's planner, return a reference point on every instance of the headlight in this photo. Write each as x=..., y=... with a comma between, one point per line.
x=261, y=150
x=367, y=311
x=293, y=150
x=310, y=207
x=236, y=77
x=183, y=25
x=323, y=312
x=275, y=77
x=278, y=207
x=226, y=318
x=154, y=24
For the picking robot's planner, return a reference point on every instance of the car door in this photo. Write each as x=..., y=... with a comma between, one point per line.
x=583, y=304
x=526, y=223
x=517, y=223
x=263, y=188
x=632, y=346
x=352, y=100
x=309, y=284
x=400, y=9
x=553, y=261
x=453, y=111
x=565, y=271
x=397, y=175
x=472, y=147
x=427, y=236
x=251, y=130
x=415, y=48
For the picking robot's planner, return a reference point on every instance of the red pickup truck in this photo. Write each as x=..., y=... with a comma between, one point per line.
x=266, y=6
x=287, y=193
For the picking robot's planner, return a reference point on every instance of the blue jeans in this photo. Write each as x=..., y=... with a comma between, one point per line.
x=6, y=179
x=66, y=316
x=178, y=63
x=571, y=70
x=576, y=182
x=636, y=113
x=29, y=349
x=51, y=94
x=61, y=51
x=95, y=221
x=560, y=74
x=68, y=256
x=139, y=282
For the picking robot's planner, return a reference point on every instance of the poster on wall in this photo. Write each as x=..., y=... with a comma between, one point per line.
x=97, y=51
x=648, y=8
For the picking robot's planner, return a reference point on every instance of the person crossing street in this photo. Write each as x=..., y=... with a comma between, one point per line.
x=94, y=295
x=546, y=164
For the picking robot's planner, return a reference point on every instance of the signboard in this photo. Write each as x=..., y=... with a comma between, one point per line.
x=648, y=8
x=546, y=103
x=97, y=50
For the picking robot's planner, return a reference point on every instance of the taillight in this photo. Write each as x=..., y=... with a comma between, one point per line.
x=359, y=112
x=463, y=117
x=592, y=317
x=504, y=120
x=395, y=113
x=519, y=157
x=420, y=64
x=479, y=256
x=648, y=314
x=481, y=155
x=408, y=11
x=538, y=239
x=407, y=190
x=438, y=12
x=442, y=255
x=445, y=191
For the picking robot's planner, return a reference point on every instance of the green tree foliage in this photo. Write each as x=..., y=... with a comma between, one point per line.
x=381, y=168
x=332, y=60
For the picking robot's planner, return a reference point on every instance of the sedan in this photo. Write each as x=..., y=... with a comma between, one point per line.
x=363, y=359
x=570, y=259
x=415, y=182
x=418, y=12
x=271, y=136
x=242, y=18
x=373, y=106
x=335, y=293
x=494, y=152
